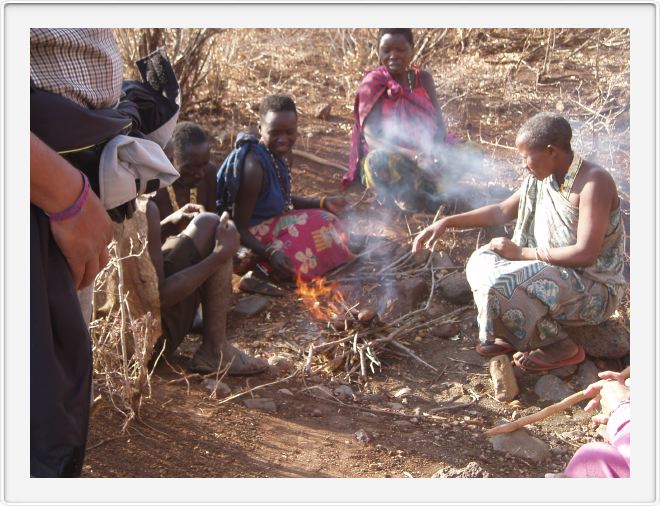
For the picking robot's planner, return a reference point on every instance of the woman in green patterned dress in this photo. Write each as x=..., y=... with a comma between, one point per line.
x=564, y=265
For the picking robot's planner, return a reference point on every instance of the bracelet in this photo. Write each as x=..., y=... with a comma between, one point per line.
x=321, y=202
x=75, y=208
x=536, y=254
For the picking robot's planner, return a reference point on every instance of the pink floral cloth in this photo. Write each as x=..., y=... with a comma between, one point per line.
x=313, y=239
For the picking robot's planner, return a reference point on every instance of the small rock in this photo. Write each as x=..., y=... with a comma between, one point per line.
x=587, y=374
x=394, y=405
x=472, y=470
x=280, y=365
x=503, y=378
x=220, y=388
x=456, y=289
x=420, y=257
x=444, y=330
x=286, y=391
x=441, y=260
x=521, y=444
x=323, y=111
x=371, y=397
x=362, y=436
x=602, y=341
x=551, y=388
x=402, y=392
x=564, y=372
x=262, y=404
x=250, y=305
x=317, y=413
x=414, y=420
x=366, y=315
x=344, y=392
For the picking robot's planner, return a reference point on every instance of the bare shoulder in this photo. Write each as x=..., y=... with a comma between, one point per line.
x=152, y=211
x=597, y=181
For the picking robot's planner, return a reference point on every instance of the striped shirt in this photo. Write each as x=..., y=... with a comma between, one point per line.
x=81, y=64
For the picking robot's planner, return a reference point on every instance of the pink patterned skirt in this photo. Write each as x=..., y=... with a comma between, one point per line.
x=313, y=239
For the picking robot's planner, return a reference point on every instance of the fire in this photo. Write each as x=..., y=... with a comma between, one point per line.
x=323, y=300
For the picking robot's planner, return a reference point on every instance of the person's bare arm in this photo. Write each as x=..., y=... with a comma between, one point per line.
x=209, y=184
x=177, y=287
x=487, y=216
x=246, y=201
x=596, y=198
x=429, y=86
x=54, y=186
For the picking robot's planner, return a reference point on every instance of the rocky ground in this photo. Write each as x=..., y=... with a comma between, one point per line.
x=406, y=419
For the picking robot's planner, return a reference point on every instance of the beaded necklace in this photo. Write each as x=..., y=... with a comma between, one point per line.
x=409, y=80
x=570, y=176
x=175, y=204
x=288, y=205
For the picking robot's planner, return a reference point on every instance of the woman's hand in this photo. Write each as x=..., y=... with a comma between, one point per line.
x=335, y=204
x=505, y=248
x=595, y=390
x=427, y=237
x=182, y=217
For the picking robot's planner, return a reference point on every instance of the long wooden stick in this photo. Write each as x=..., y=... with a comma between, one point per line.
x=318, y=159
x=569, y=401
x=544, y=413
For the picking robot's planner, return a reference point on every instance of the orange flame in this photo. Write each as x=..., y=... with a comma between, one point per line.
x=323, y=300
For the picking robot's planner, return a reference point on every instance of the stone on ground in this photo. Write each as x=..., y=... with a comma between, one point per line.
x=344, y=392
x=472, y=470
x=564, y=372
x=521, y=444
x=221, y=389
x=250, y=305
x=503, y=378
x=262, y=404
x=362, y=436
x=456, y=289
x=441, y=260
x=606, y=340
x=587, y=374
x=551, y=388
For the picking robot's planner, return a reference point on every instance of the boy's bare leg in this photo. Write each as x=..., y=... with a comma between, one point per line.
x=215, y=347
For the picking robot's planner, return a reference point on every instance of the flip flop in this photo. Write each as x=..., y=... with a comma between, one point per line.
x=242, y=365
x=543, y=366
x=493, y=348
x=250, y=283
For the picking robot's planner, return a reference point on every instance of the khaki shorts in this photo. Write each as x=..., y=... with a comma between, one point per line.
x=179, y=253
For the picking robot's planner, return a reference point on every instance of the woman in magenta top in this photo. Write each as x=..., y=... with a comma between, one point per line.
x=398, y=143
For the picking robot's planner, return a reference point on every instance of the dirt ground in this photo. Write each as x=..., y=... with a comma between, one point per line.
x=183, y=431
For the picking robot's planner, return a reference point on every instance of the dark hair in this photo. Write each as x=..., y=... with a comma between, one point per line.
x=276, y=103
x=546, y=128
x=185, y=134
x=406, y=32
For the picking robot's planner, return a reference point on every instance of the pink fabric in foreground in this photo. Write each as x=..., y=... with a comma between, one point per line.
x=603, y=460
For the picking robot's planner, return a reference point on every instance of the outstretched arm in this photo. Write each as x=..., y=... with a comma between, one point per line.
x=54, y=185
x=487, y=216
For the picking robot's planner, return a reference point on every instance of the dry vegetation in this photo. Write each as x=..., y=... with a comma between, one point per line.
x=488, y=83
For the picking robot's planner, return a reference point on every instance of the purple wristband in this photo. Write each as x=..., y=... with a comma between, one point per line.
x=76, y=207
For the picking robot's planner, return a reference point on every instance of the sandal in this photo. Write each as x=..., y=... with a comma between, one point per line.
x=250, y=283
x=577, y=358
x=493, y=348
x=242, y=365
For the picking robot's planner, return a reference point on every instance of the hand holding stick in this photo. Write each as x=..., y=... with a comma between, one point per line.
x=569, y=401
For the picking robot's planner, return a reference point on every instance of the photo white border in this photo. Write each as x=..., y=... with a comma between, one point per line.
x=17, y=18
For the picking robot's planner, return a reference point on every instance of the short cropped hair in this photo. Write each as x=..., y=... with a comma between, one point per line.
x=276, y=103
x=185, y=134
x=406, y=32
x=546, y=128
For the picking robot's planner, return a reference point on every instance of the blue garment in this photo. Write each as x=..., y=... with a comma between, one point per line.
x=272, y=200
